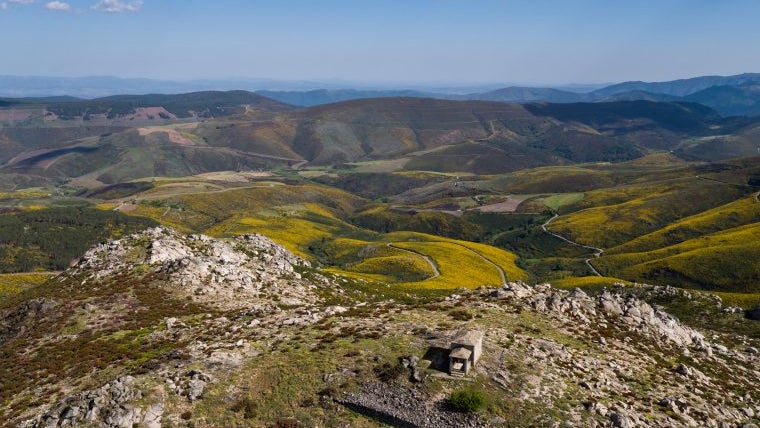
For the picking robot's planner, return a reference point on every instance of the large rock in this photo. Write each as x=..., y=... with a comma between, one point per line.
x=629, y=310
x=111, y=405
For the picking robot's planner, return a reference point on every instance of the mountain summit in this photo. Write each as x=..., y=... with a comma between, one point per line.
x=160, y=328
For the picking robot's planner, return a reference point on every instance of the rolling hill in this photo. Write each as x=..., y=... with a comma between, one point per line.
x=731, y=100
x=202, y=132
x=329, y=96
x=331, y=178
x=146, y=107
x=680, y=87
x=728, y=95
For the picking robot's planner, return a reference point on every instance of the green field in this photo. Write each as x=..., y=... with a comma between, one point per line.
x=555, y=202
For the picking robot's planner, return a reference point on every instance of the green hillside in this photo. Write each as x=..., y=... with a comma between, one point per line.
x=734, y=214
x=632, y=211
x=718, y=261
x=334, y=182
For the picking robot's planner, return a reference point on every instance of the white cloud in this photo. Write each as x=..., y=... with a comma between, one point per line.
x=5, y=5
x=116, y=6
x=57, y=5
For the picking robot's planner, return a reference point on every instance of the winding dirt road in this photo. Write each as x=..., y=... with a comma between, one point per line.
x=597, y=251
x=436, y=272
x=432, y=264
x=487, y=260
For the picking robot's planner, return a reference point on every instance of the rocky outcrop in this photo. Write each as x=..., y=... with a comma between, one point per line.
x=629, y=349
x=15, y=322
x=190, y=384
x=249, y=277
x=214, y=271
x=111, y=405
x=637, y=314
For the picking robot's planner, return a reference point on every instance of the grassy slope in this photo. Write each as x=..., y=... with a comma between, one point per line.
x=737, y=213
x=632, y=211
x=722, y=260
x=460, y=263
x=707, y=250
x=13, y=283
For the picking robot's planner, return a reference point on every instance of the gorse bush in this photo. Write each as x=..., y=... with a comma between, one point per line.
x=467, y=400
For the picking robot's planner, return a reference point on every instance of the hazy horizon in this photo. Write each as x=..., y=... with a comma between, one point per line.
x=327, y=80
x=433, y=42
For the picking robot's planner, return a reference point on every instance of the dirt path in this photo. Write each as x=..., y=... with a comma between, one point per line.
x=597, y=251
x=491, y=133
x=430, y=261
x=123, y=203
x=487, y=260
x=436, y=272
x=757, y=195
x=295, y=163
x=723, y=182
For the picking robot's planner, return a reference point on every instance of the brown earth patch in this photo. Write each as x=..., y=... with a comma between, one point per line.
x=508, y=206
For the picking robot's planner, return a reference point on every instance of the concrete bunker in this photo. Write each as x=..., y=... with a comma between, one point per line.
x=465, y=350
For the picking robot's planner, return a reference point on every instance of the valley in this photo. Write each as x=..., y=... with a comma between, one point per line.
x=379, y=214
x=533, y=180
x=160, y=248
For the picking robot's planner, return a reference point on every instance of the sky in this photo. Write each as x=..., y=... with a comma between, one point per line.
x=434, y=41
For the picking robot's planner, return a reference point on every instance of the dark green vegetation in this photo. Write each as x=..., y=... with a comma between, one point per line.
x=49, y=239
x=328, y=96
x=197, y=104
x=467, y=400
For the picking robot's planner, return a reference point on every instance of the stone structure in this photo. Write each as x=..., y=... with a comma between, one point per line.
x=466, y=348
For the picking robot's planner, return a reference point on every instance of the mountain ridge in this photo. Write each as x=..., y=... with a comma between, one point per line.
x=211, y=319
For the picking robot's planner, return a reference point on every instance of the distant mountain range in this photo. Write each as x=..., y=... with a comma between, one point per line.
x=737, y=95
x=103, y=86
x=728, y=95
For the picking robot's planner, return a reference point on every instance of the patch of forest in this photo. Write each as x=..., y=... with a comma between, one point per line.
x=49, y=239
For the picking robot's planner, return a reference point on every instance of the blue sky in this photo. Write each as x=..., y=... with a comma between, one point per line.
x=452, y=41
